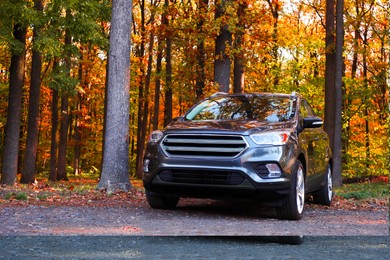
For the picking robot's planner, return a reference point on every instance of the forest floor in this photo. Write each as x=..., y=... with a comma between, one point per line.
x=68, y=208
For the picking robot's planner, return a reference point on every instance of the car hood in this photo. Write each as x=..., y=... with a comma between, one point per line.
x=225, y=126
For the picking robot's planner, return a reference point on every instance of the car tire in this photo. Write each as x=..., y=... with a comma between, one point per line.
x=325, y=195
x=158, y=201
x=292, y=209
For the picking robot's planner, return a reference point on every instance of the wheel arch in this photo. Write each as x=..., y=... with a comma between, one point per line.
x=303, y=160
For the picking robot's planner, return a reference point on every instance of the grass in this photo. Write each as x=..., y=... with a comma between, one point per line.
x=16, y=195
x=362, y=191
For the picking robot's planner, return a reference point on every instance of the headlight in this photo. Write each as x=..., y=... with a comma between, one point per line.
x=273, y=138
x=155, y=136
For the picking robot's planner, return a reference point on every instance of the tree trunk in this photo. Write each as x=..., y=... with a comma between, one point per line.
x=64, y=123
x=239, y=57
x=29, y=164
x=77, y=137
x=168, y=78
x=366, y=103
x=141, y=121
x=347, y=99
x=222, y=61
x=141, y=141
x=12, y=128
x=330, y=71
x=54, y=127
x=64, y=118
x=157, y=84
x=339, y=66
x=200, y=54
x=115, y=169
x=274, y=53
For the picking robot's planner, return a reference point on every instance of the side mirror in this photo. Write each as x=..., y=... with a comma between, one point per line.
x=312, y=122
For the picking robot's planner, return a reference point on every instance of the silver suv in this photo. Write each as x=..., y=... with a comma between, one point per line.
x=265, y=147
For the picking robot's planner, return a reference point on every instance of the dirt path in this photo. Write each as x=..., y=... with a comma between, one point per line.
x=192, y=217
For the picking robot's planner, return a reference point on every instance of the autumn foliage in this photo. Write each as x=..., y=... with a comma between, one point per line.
x=281, y=47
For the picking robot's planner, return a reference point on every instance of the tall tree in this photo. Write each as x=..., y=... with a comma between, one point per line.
x=115, y=168
x=339, y=66
x=330, y=69
x=200, y=54
x=157, y=83
x=142, y=97
x=168, y=70
x=275, y=8
x=222, y=62
x=29, y=163
x=239, y=56
x=64, y=118
x=12, y=129
x=145, y=106
x=54, y=127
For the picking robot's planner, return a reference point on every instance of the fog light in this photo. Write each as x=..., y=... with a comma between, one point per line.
x=274, y=170
x=146, y=165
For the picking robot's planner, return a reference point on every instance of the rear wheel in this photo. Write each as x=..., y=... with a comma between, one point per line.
x=158, y=201
x=325, y=195
x=292, y=209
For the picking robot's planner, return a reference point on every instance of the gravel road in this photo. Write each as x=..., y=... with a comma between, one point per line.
x=191, y=218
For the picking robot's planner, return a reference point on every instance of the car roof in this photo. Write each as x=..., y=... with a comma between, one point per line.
x=251, y=94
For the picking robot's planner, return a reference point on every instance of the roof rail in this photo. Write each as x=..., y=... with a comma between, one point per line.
x=218, y=93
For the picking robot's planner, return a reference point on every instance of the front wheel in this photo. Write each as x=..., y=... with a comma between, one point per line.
x=159, y=201
x=292, y=209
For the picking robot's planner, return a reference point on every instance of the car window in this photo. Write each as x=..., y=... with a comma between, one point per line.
x=305, y=109
x=261, y=108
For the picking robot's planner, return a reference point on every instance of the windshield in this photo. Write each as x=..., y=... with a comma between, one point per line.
x=261, y=108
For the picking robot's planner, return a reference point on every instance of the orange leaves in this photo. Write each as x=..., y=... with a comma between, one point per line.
x=80, y=193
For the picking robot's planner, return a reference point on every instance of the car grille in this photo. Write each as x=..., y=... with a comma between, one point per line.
x=203, y=145
x=202, y=177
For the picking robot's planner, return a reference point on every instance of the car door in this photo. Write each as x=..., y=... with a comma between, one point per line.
x=314, y=142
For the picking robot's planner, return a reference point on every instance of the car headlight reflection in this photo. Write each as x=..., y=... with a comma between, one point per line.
x=271, y=138
x=155, y=136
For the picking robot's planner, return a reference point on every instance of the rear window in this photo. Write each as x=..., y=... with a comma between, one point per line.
x=260, y=108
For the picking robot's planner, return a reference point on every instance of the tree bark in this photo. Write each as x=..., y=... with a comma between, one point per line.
x=274, y=5
x=200, y=54
x=29, y=163
x=140, y=149
x=222, y=62
x=63, y=143
x=64, y=118
x=168, y=71
x=77, y=137
x=157, y=83
x=12, y=128
x=54, y=127
x=141, y=122
x=330, y=70
x=115, y=168
x=339, y=66
x=239, y=57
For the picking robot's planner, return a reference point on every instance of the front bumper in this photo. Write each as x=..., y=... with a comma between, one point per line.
x=220, y=178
